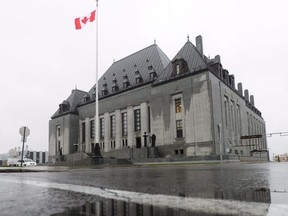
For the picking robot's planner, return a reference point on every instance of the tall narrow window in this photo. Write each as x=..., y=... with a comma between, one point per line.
x=178, y=105
x=83, y=132
x=177, y=69
x=102, y=128
x=58, y=131
x=137, y=120
x=92, y=129
x=124, y=124
x=112, y=126
x=226, y=110
x=179, y=129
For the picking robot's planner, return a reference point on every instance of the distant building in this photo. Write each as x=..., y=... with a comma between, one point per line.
x=281, y=157
x=40, y=157
x=153, y=107
x=17, y=152
x=3, y=159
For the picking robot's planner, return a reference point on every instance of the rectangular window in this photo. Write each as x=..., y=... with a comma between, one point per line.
x=112, y=126
x=58, y=131
x=93, y=208
x=177, y=69
x=43, y=157
x=124, y=124
x=178, y=105
x=137, y=120
x=226, y=110
x=179, y=129
x=149, y=119
x=92, y=129
x=102, y=128
x=83, y=132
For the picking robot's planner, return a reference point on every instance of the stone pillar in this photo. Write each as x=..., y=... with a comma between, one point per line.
x=246, y=92
x=80, y=137
x=130, y=119
x=40, y=157
x=118, y=128
x=144, y=121
x=252, y=100
x=199, y=44
x=87, y=135
x=240, y=89
x=107, y=131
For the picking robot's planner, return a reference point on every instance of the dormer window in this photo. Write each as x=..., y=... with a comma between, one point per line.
x=139, y=78
x=153, y=75
x=104, y=89
x=64, y=106
x=177, y=69
x=86, y=98
x=179, y=66
x=94, y=93
x=115, y=87
x=126, y=82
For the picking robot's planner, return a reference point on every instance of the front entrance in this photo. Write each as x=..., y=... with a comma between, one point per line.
x=92, y=147
x=138, y=142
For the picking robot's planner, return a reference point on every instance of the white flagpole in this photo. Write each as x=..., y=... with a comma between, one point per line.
x=96, y=87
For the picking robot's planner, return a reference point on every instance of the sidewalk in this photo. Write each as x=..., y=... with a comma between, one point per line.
x=33, y=169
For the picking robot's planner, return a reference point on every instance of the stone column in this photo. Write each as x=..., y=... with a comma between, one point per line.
x=107, y=131
x=80, y=137
x=118, y=128
x=144, y=121
x=130, y=119
x=87, y=135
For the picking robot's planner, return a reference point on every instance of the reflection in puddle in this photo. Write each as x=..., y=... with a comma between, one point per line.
x=248, y=203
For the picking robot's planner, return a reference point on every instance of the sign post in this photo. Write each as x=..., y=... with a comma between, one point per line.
x=24, y=132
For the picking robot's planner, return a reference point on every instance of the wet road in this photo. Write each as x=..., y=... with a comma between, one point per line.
x=227, y=189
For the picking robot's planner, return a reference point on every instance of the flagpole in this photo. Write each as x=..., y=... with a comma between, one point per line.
x=96, y=87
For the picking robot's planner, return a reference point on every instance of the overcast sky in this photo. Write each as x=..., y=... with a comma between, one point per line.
x=43, y=57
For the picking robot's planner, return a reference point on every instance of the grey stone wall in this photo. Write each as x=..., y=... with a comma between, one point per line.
x=68, y=134
x=230, y=125
x=196, y=113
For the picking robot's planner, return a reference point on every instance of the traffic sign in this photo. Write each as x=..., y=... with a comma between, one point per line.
x=24, y=131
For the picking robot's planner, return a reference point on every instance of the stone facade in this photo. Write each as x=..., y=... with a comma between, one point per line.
x=190, y=108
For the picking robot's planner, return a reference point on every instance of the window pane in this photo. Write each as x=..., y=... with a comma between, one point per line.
x=137, y=120
x=92, y=129
x=101, y=128
x=83, y=132
x=124, y=124
x=112, y=124
x=178, y=105
x=179, y=130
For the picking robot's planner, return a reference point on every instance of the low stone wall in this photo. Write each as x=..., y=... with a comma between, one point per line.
x=127, y=153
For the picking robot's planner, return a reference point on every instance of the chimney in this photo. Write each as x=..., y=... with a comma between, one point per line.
x=232, y=81
x=218, y=59
x=199, y=44
x=246, y=92
x=252, y=99
x=240, y=89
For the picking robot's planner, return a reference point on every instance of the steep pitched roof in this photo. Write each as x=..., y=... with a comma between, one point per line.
x=140, y=61
x=195, y=60
x=70, y=104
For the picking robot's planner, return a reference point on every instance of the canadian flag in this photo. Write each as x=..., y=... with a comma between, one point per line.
x=82, y=21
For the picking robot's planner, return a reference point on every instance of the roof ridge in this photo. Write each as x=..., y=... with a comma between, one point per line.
x=134, y=53
x=78, y=90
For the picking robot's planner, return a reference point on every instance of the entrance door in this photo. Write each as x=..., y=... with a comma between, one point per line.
x=138, y=142
x=92, y=147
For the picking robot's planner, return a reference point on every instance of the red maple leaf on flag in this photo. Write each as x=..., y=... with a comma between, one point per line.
x=82, y=21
